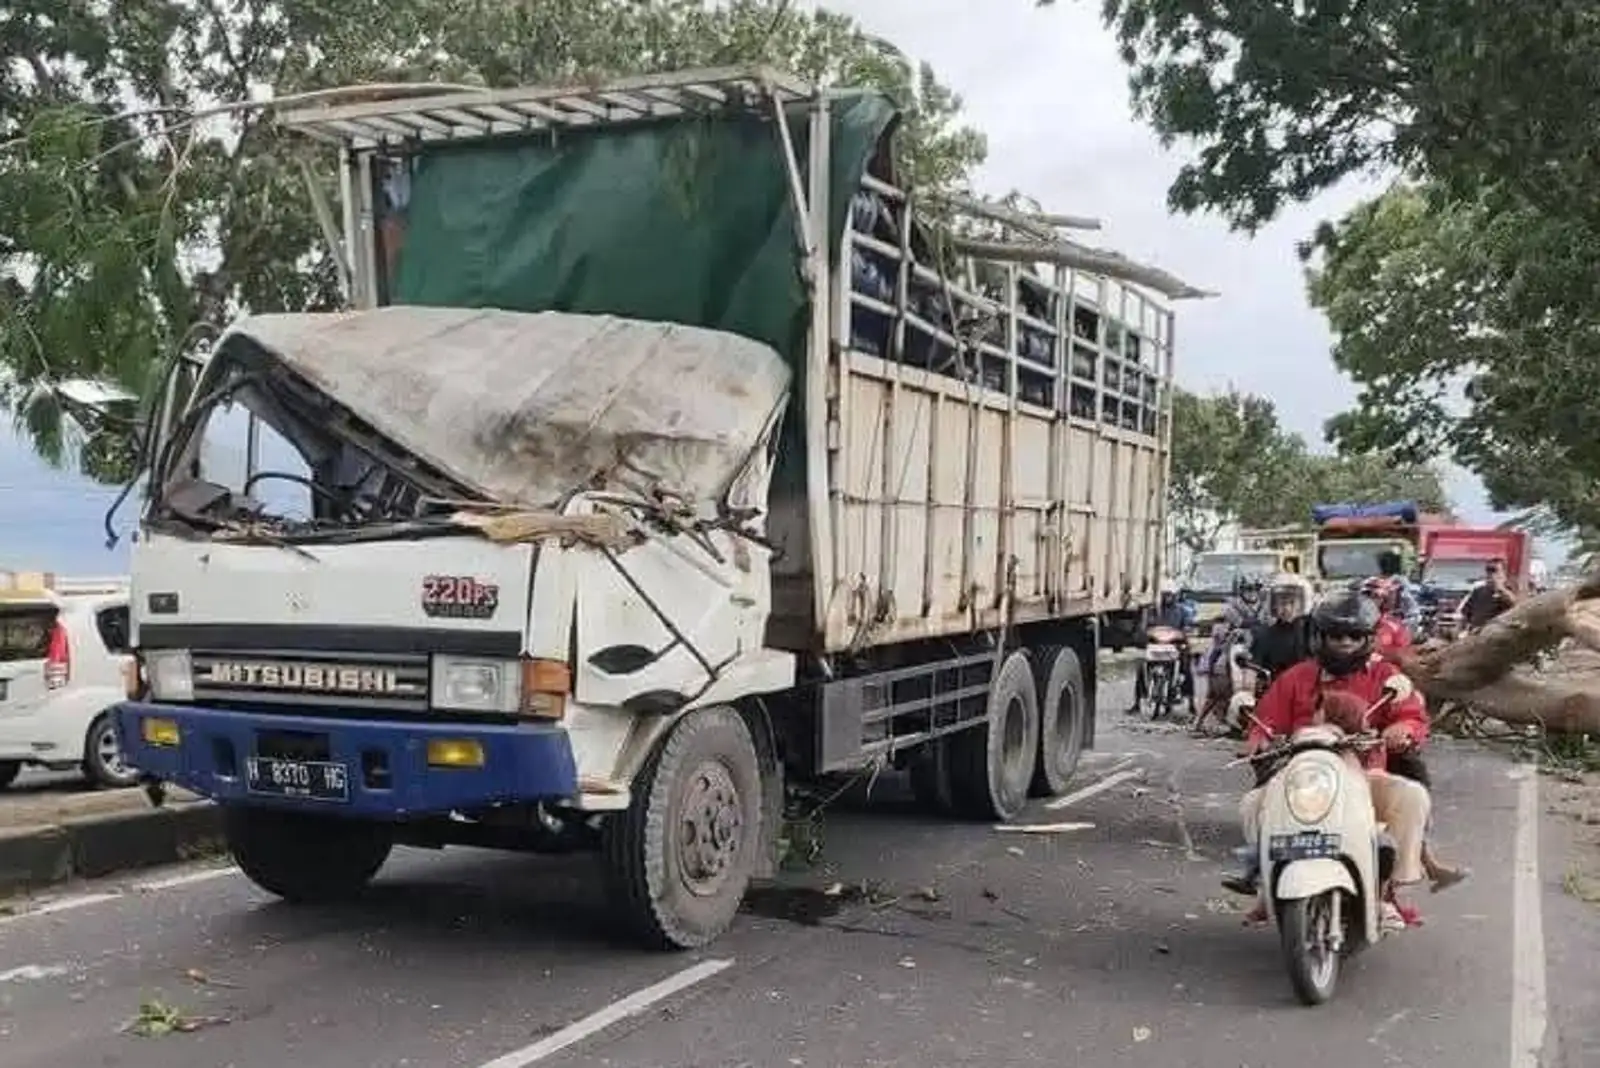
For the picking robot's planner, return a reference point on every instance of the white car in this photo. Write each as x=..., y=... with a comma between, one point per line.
x=63, y=652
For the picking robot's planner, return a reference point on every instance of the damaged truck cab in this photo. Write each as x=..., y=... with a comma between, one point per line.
x=653, y=463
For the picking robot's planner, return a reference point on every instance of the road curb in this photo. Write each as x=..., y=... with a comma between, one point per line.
x=94, y=846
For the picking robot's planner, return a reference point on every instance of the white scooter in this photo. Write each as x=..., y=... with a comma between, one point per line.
x=1324, y=857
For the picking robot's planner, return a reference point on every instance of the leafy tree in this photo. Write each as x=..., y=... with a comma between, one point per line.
x=127, y=235
x=1482, y=271
x=1233, y=462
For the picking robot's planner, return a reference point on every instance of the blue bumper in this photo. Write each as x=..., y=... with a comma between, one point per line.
x=522, y=762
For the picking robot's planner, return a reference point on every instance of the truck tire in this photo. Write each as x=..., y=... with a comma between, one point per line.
x=991, y=767
x=1062, y=712
x=679, y=858
x=306, y=859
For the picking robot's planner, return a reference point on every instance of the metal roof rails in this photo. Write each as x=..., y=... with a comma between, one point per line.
x=456, y=115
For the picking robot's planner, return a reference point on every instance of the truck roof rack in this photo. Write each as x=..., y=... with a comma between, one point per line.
x=456, y=115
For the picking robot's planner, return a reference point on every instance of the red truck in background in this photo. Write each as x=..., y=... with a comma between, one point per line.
x=1453, y=558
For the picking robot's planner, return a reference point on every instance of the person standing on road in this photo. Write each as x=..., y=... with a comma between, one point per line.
x=1489, y=598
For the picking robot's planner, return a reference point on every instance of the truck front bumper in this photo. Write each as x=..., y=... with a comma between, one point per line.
x=386, y=768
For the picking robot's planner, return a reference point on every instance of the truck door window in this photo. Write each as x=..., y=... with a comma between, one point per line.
x=112, y=623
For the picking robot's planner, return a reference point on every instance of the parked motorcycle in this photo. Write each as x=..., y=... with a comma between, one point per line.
x=1324, y=856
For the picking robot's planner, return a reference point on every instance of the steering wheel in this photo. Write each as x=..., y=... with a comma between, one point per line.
x=340, y=505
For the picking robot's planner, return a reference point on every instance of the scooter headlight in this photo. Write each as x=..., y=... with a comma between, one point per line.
x=1310, y=790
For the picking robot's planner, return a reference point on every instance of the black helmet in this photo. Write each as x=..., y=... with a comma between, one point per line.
x=1345, y=615
x=1247, y=585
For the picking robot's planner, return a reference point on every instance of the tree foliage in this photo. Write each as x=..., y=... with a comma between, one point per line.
x=1466, y=300
x=127, y=231
x=1233, y=462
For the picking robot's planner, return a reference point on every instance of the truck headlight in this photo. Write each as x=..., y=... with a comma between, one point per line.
x=467, y=684
x=1310, y=789
x=170, y=674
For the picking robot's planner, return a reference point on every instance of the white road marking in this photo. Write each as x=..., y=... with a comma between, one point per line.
x=1096, y=788
x=62, y=904
x=50, y=906
x=184, y=879
x=31, y=972
x=1529, y=1009
x=611, y=1014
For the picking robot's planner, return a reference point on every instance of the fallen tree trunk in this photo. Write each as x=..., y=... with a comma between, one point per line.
x=1483, y=669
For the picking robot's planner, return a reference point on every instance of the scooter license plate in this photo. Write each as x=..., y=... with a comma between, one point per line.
x=1303, y=845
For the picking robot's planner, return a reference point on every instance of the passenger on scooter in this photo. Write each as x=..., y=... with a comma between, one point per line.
x=1175, y=613
x=1344, y=662
x=1392, y=638
x=1408, y=608
x=1286, y=639
x=1392, y=634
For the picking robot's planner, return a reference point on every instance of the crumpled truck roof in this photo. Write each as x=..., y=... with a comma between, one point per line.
x=529, y=407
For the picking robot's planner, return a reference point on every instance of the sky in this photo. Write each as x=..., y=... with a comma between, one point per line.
x=1047, y=88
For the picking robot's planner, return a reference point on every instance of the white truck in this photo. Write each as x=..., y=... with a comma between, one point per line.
x=654, y=461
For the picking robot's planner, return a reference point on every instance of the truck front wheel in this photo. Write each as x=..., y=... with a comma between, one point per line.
x=306, y=859
x=679, y=859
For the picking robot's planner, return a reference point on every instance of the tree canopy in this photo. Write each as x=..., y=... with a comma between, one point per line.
x=1466, y=300
x=1232, y=461
x=128, y=230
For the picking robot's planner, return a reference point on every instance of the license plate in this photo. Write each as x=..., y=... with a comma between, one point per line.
x=1303, y=845
x=319, y=780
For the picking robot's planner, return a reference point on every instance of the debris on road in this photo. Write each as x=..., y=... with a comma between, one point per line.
x=156, y=1019
x=1043, y=828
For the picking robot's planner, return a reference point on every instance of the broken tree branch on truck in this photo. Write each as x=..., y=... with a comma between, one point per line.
x=1486, y=668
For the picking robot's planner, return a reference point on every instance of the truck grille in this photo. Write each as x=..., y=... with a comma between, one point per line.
x=354, y=682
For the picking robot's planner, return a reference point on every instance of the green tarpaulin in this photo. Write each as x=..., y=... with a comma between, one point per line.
x=686, y=221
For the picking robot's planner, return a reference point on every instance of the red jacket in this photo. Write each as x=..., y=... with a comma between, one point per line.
x=1392, y=636
x=1291, y=702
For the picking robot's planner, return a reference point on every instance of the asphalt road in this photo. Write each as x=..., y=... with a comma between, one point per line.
x=1101, y=946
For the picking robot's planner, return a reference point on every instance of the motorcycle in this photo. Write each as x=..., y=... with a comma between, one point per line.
x=1251, y=682
x=1162, y=667
x=1324, y=857
x=1229, y=675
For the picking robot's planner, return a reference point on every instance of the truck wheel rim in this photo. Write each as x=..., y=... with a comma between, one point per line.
x=1014, y=755
x=710, y=829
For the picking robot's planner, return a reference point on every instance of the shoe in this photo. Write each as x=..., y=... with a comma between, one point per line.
x=1245, y=884
x=1449, y=877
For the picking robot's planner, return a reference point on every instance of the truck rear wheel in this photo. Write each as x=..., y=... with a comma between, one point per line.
x=1062, y=710
x=991, y=767
x=679, y=859
x=306, y=859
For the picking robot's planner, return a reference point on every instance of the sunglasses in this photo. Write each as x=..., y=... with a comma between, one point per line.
x=1343, y=633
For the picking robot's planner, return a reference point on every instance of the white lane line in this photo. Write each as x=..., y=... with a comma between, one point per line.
x=611, y=1014
x=1529, y=1009
x=184, y=879
x=60, y=904
x=34, y=972
x=1096, y=788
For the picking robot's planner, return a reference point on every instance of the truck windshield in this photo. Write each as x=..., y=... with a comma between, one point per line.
x=1349, y=560
x=1452, y=574
x=1216, y=572
x=261, y=455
